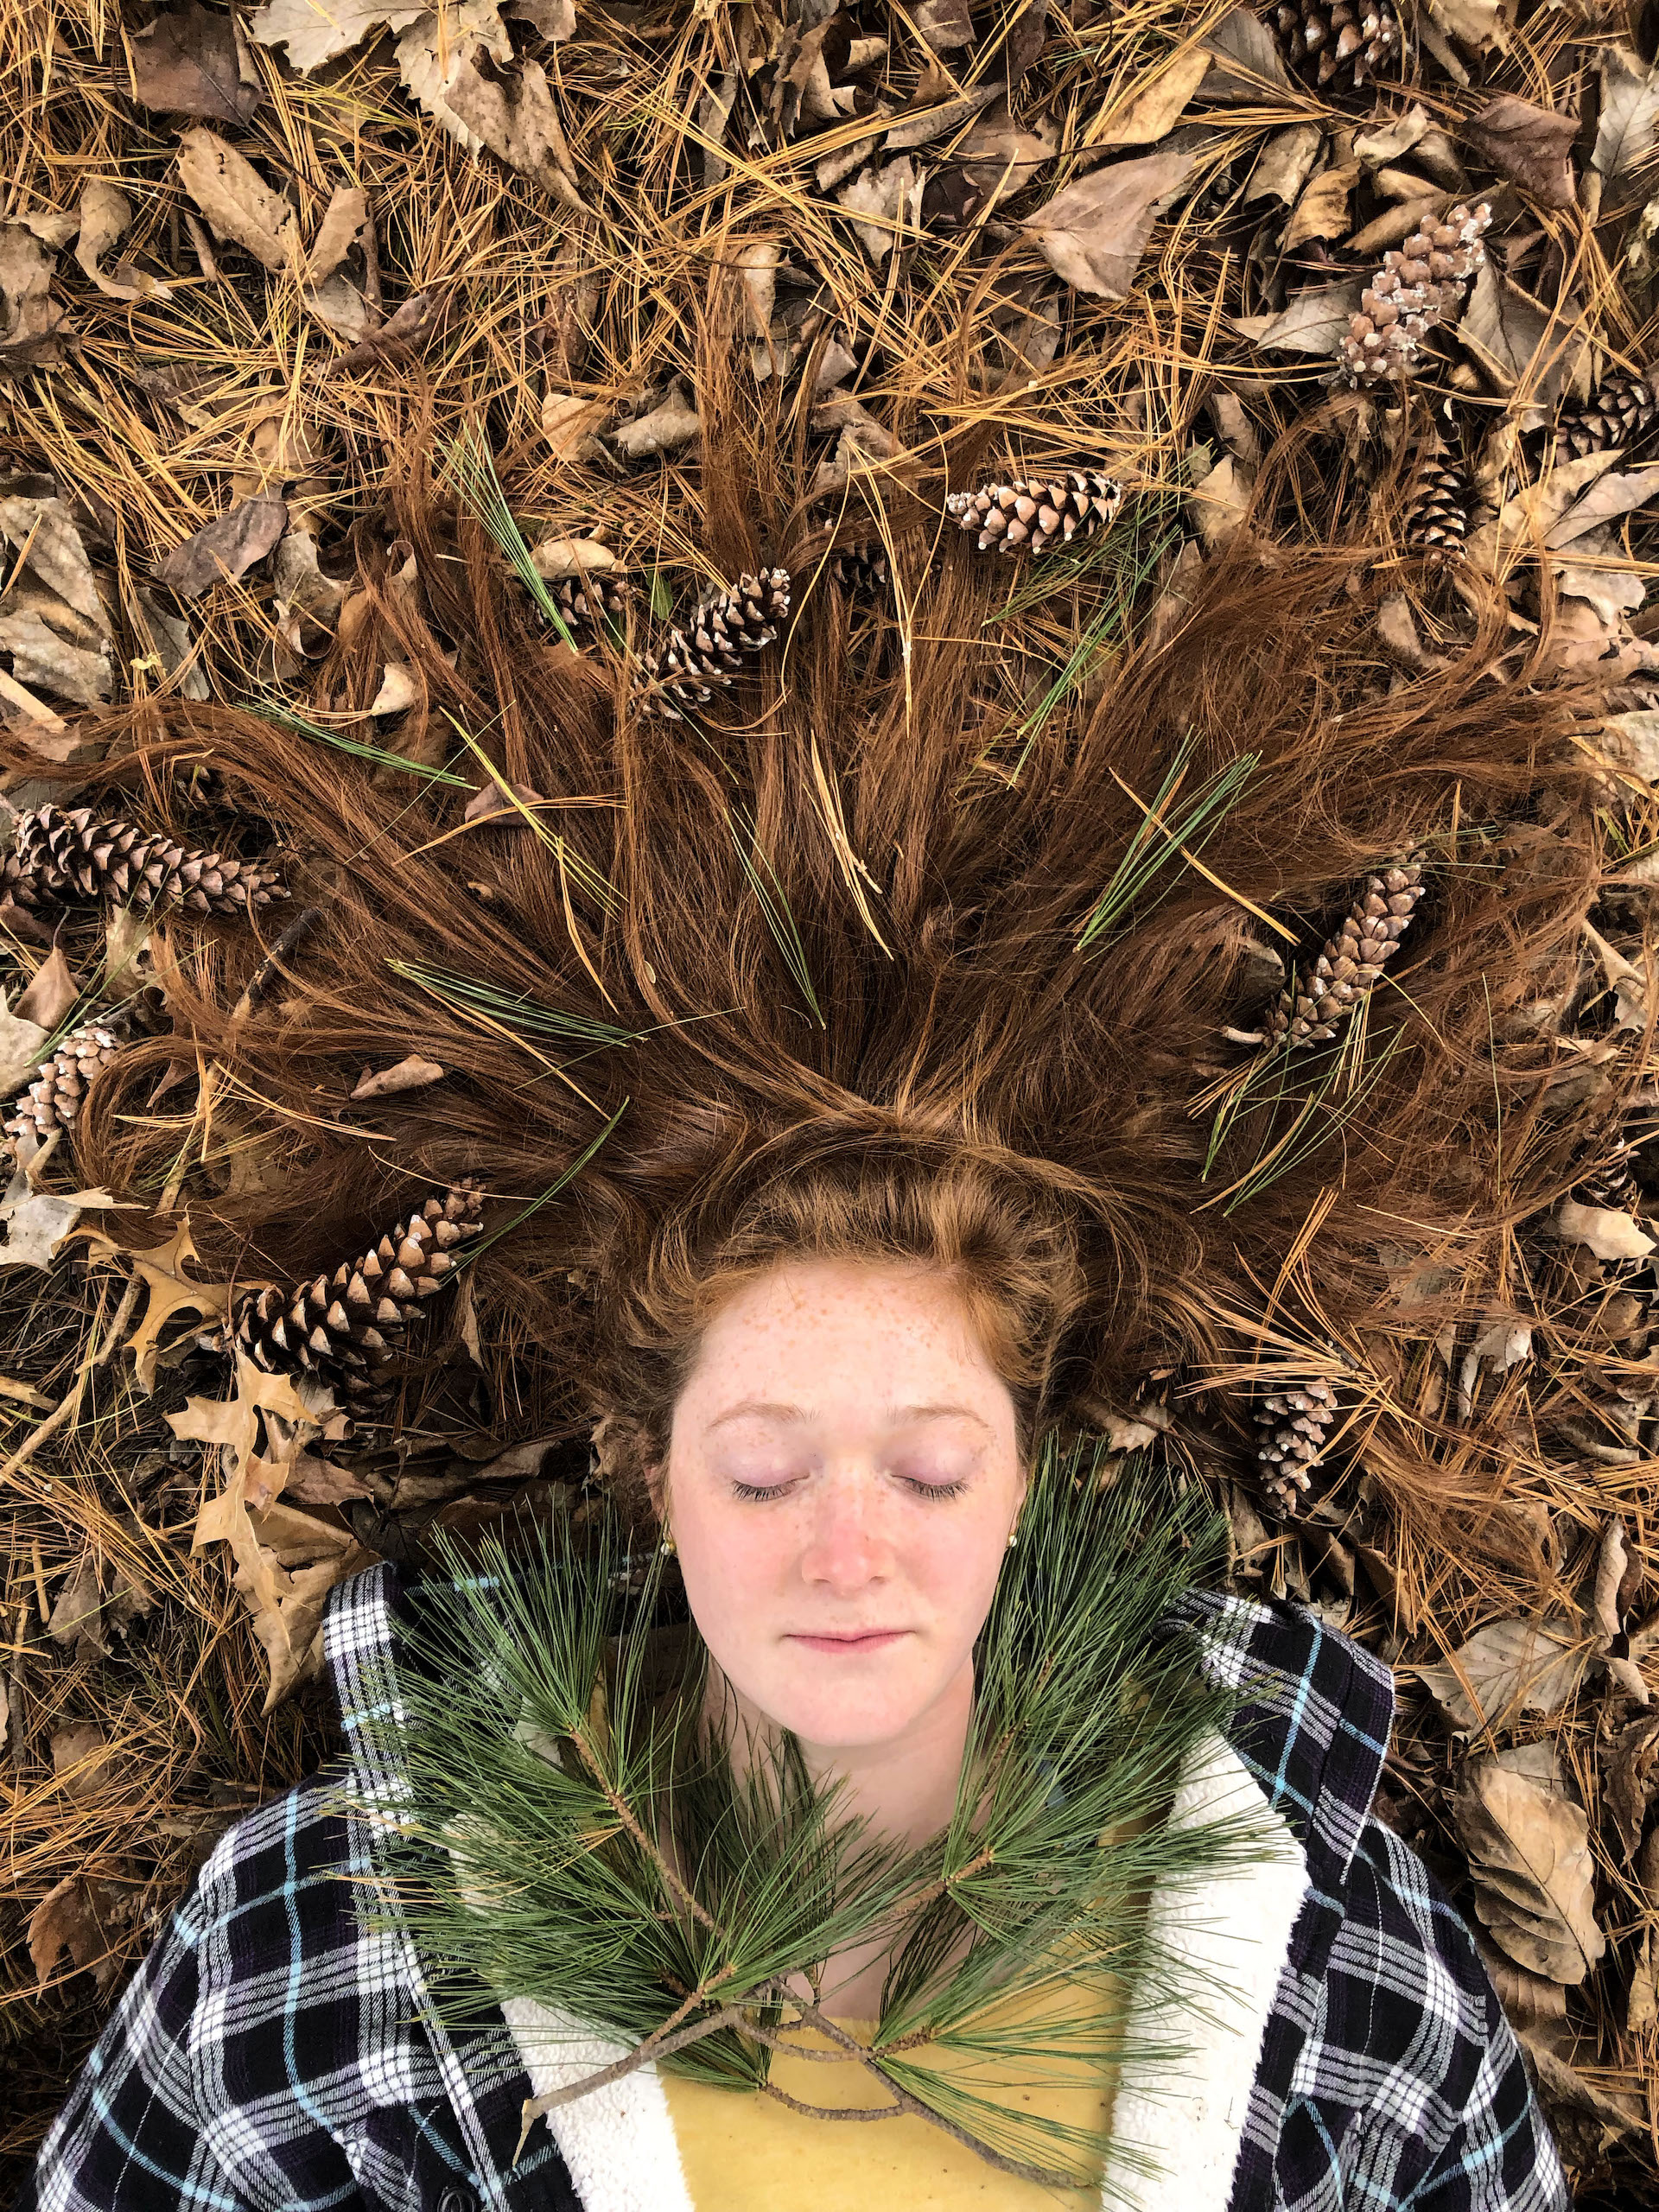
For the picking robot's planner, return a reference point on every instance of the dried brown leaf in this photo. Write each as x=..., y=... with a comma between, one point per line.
x=1093, y=232
x=161, y=1272
x=412, y=1074
x=313, y=35
x=236, y=200
x=1629, y=1778
x=193, y=60
x=227, y=547
x=78, y=1611
x=30, y=320
x=1527, y=144
x=106, y=218
x=1509, y=1665
x=81, y=1758
x=1529, y=1854
x=1311, y=323
x=53, y=990
x=1153, y=111
x=1322, y=211
x=1630, y=111
x=342, y=222
x=77, y=1917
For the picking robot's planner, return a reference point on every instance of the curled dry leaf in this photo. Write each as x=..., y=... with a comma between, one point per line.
x=571, y=426
x=81, y=1759
x=30, y=320
x=161, y=1272
x=1527, y=144
x=43, y=658
x=227, y=547
x=412, y=1074
x=1311, y=323
x=286, y=1562
x=1093, y=233
x=1151, y=114
x=397, y=690
x=1506, y=1667
x=313, y=36
x=1481, y=25
x=491, y=800
x=342, y=221
x=193, y=61
x=77, y=1917
x=23, y=1043
x=884, y=203
x=665, y=428
x=1285, y=164
x=1508, y=332
x=236, y=200
x=1629, y=1778
x=1630, y=111
x=37, y=1222
x=1529, y=1854
x=78, y=1611
x=555, y=558
x=1608, y=1233
x=106, y=218
x=43, y=531
x=53, y=990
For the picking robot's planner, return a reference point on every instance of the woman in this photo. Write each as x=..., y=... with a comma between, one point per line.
x=843, y=1484
x=884, y=1173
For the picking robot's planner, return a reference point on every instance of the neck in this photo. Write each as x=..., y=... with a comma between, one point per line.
x=905, y=1787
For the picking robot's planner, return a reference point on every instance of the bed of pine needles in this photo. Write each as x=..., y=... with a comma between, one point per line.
x=231, y=339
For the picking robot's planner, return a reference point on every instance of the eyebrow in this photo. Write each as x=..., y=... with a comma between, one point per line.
x=893, y=1414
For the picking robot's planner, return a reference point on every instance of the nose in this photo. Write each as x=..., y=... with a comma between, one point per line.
x=847, y=1547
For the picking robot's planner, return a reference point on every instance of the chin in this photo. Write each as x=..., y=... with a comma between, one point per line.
x=840, y=1716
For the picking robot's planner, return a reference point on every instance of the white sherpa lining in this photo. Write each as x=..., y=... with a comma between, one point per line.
x=620, y=2144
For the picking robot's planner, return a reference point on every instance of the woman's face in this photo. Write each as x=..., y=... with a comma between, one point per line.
x=841, y=1484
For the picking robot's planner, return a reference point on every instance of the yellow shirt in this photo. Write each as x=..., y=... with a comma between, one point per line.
x=744, y=2151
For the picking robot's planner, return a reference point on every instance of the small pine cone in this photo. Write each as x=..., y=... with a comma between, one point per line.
x=1610, y=1183
x=1622, y=411
x=1029, y=514
x=684, y=671
x=57, y=857
x=1347, y=39
x=1437, y=508
x=583, y=600
x=1418, y=286
x=863, y=572
x=336, y=1328
x=1311, y=1004
x=1298, y=1421
x=54, y=1100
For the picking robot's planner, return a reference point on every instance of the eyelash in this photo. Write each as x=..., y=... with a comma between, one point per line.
x=759, y=1491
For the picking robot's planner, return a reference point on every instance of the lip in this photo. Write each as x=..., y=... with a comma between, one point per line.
x=878, y=1639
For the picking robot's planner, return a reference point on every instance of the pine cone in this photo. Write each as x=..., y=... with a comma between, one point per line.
x=335, y=1328
x=1417, y=287
x=1622, y=410
x=1029, y=513
x=583, y=599
x=1438, y=507
x=863, y=572
x=1298, y=1421
x=683, y=671
x=56, y=857
x=1323, y=39
x=1610, y=1183
x=54, y=1099
x=1310, y=1005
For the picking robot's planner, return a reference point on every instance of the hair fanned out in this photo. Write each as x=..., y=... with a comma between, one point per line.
x=820, y=955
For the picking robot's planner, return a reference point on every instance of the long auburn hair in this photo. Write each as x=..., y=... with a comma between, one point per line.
x=929, y=1068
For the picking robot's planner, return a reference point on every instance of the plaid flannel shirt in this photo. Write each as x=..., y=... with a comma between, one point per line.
x=273, y=2052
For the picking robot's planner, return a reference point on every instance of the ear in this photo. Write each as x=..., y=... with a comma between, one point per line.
x=656, y=1473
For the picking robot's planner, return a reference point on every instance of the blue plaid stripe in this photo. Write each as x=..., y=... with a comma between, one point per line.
x=275, y=2051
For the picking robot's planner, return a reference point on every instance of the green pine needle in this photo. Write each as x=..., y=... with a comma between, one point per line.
x=471, y=467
